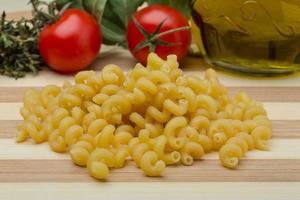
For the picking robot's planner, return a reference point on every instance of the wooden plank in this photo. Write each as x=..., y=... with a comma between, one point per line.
x=276, y=110
x=269, y=94
x=275, y=94
x=159, y=190
x=10, y=111
x=47, y=77
x=282, y=110
x=281, y=128
x=9, y=149
x=204, y=171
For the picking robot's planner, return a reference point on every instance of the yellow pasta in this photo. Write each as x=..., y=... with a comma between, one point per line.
x=80, y=152
x=137, y=151
x=120, y=157
x=68, y=100
x=234, y=148
x=169, y=90
x=99, y=163
x=115, y=104
x=90, y=78
x=113, y=74
x=109, y=89
x=57, y=142
x=178, y=109
x=193, y=150
x=105, y=138
x=220, y=131
x=137, y=119
x=146, y=86
x=96, y=126
x=198, y=85
x=151, y=165
x=200, y=123
x=261, y=135
x=32, y=128
x=155, y=115
x=172, y=129
x=160, y=116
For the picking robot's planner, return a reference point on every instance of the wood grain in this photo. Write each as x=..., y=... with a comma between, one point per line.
x=202, y=171
x=281, y=128
x=149, y=190
x=275, y=94
x=9, y=149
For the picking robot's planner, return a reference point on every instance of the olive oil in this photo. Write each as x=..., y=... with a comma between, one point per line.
x=256, y=36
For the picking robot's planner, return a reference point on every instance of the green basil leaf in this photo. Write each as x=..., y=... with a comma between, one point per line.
x=95, y=7
x=111, y=16
x=159, y=2
x=125, y=9
x=116, y=16
x=181, y=5
x=112, y=33
x=77, y=4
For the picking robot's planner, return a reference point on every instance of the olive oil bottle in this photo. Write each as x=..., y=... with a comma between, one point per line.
x=254, y=36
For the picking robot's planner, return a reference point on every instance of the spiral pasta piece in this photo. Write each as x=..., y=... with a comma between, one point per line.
x=177, y=109
x=200, y=123
x=113, y=74
x=137, y=151
x=229, y=155
x=151, y=165
x=105, y=138
x=220, y=131
x=171, y=130
x=160, y=116
x=81, y=151
x=191, y=150
x=120, y=157
x=116, y=104
x=198, y=85
x=99, y=163
x=261, y=134
x=234, y=148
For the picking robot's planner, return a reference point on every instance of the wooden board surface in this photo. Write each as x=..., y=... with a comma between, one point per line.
x=29, y=171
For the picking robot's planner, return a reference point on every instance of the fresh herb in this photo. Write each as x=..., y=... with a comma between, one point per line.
x=116, y=16
x=18, y=41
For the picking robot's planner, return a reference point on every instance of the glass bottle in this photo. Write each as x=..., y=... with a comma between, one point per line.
x=253, y=36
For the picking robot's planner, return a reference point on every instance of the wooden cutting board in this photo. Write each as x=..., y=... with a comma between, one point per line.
x=30, y=171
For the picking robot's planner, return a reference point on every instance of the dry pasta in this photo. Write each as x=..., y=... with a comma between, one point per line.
x=155, y=115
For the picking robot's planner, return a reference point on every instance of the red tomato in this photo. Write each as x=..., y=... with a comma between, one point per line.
x=71, y=43
x=149, y=18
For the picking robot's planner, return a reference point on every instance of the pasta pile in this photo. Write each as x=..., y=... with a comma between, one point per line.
x=156, y=115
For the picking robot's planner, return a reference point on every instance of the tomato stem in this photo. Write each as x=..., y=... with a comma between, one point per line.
x=171, y=31
x=153, y=39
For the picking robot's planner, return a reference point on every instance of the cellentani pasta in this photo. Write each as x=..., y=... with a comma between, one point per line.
x=155, y=115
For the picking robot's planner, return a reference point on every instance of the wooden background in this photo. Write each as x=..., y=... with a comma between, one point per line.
x=29, y=171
